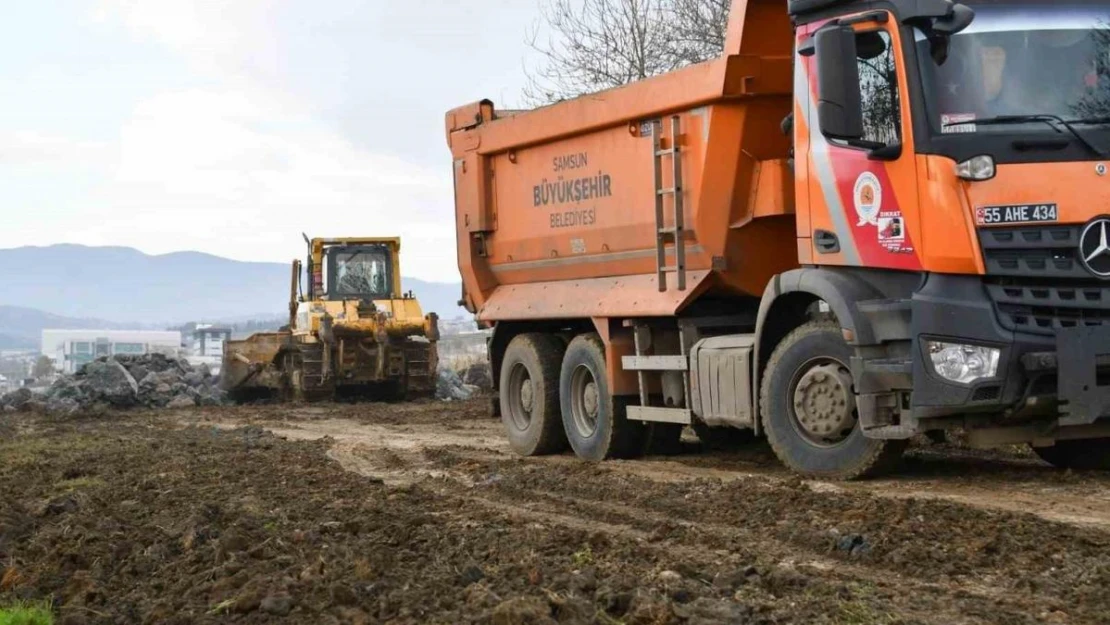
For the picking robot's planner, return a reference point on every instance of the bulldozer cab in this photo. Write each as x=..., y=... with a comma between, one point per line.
x=353, y=269
x=358, y=272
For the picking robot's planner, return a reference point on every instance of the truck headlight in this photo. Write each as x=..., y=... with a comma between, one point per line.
x=976, y=168
x=963, y=363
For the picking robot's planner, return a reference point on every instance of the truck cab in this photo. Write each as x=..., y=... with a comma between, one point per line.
x=962, y=148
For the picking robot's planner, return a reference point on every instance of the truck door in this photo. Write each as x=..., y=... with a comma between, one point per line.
x=861, y=190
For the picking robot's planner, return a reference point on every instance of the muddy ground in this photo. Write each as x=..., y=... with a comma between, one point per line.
x=417, y=513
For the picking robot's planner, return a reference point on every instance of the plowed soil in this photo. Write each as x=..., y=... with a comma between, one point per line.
x=417, y=513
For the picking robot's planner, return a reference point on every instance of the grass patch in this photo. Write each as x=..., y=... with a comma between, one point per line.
x=27, y=614
x=78, y=483
x=583, y=557
x=27, y=451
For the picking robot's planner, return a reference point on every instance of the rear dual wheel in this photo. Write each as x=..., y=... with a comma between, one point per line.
x=596, y=422
x=529, y=393
x=554, y=392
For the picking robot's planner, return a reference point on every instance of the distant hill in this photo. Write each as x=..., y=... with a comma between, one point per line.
x=22, y=327
x=126, y=286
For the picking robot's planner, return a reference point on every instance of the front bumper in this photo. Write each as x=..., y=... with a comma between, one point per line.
x=1065, y=373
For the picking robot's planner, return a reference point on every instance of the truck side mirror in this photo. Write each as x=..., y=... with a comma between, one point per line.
x=839, y=105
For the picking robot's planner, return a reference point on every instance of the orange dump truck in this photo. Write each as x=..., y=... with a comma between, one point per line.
x=864, y=221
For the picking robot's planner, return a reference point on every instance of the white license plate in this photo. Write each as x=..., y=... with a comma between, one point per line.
x=1016, y=214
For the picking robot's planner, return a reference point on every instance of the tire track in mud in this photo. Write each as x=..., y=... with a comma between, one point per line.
x=994, y=483
x=524, y=490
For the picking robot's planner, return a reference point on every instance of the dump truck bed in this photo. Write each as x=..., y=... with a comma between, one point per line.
x=559, y=210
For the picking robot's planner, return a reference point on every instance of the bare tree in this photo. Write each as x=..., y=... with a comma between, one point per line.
x=44, y=367
x=591, y=45
x=699, y=29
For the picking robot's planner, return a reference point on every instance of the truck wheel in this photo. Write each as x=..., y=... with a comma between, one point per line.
x=1088, y=454
x=529, y=391
x=722, y=438
x=808, y=406
x=594, y=419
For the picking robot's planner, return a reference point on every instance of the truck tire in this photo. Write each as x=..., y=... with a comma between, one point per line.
x=529, y=394
x=1088, y=454
x=808, y=408
x=594, y=419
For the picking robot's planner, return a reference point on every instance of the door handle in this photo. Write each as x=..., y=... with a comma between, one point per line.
x=826, y=242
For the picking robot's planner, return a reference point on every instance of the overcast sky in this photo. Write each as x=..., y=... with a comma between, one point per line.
x=231, y=126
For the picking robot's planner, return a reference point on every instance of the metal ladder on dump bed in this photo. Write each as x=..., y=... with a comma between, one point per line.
x=674, y=234
x=667, y=238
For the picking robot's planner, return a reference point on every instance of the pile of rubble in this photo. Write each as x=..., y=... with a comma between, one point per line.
x=453, y=385
x=149, y=381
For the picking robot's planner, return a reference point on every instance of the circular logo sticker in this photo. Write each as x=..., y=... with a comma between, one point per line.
x=868, y=197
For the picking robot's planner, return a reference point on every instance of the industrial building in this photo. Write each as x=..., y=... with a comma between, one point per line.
x=69, y=349
x=208, y=346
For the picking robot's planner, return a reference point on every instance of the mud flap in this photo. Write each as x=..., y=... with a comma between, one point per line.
x=1084, y=374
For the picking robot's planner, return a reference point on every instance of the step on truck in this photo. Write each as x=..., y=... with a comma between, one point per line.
x=864, y=221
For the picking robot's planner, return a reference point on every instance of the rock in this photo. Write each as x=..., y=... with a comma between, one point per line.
x=478, y=375
x=138, y=371
x=110, y=381
x=854, y=544
x=17, y=399
x=450, y=386
x=124, y=381
x=280, y=604
x=211, y=397
x=169, y=377
x=67, y=388
x=181, y=401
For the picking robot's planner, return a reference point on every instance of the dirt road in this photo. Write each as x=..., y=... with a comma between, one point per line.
x=416, y=513
x=997, y=481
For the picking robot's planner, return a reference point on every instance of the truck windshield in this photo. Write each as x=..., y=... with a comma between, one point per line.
x=1021, y=58
x=362, y=273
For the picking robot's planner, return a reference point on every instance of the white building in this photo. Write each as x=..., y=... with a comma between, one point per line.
x=208, y=340
x=69, y=349
x=208, y=346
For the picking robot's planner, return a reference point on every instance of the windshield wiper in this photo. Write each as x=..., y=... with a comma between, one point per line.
x=1090, y=120
x=1051, y=120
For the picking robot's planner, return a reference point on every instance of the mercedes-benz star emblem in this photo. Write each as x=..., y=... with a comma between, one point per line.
x=1094, y=247
x=1100, y=169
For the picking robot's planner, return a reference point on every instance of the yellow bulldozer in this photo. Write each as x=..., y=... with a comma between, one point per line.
x=353, y=333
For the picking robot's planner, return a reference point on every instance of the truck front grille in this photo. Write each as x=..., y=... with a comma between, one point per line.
x=1036, y=281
